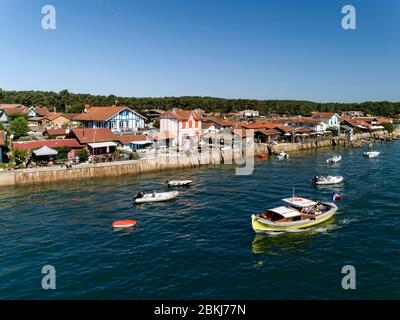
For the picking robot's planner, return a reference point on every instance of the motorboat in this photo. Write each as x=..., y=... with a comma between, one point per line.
x=296, y=213
x=142, y=197
x=326, y=180
x=178, y=183
x=371, y=154
x=334, y=159
x=282, y=155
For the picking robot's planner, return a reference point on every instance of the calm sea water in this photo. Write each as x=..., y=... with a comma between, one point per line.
x=201, y=246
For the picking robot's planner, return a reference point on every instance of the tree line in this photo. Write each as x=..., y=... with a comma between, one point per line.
x=65, y=101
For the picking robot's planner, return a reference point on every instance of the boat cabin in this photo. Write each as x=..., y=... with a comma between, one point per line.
x=297, y=209
x=281, y=214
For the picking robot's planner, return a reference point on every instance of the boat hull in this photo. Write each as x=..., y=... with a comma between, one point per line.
x=371, y=154
x=331, y=182
x=180, y=183
x=262, y=226
x=160, y=197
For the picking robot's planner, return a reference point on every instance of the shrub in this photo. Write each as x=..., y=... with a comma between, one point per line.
x=389, y=127
x=19, y=127
x=83, y=155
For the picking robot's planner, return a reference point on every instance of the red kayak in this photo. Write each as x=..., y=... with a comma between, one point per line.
x=124, y=223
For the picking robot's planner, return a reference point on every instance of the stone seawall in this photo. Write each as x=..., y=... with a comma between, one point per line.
x=84, y=171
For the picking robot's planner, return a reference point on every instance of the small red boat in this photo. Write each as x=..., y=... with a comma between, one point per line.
x=124, y=223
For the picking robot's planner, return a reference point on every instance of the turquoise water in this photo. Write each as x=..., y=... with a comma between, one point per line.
x=201, y=246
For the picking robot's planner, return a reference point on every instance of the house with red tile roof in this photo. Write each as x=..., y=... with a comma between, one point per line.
x=115, y=118
x=55, y=120
x=219, y=123
x=42, y=111
x=364, y=124
x=52, y=143
x=330, y=119
x=133, y=142
x=11, y=111
x=98, y=141
x=260, y=125
x=183, y=126
x=57, y=133
x=266, y=135
x=317, y=124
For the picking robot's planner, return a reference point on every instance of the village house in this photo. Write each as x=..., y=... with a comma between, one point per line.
x=330, y=119
x=183, y=127
x=52, y=143
x=57, y=133
x=217, y=124
x=8, y=112
x=352, y=114
x=56, y=120
x=363, y=124
x=134, y=142
x=316, y=124
x=115, y=118
x=101, y=143
x=265, y=132
x=42, y=111
x=153, y=114
x=248, y=113
x=266, y=135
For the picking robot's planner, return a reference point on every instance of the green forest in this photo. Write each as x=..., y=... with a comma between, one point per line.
x=65, y=101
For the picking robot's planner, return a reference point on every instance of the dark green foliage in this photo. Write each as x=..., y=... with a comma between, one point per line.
x=19, y=156
x=64, y=101
x=19, y=127
x=83, y=155
x=389, y=127
x=62, y=153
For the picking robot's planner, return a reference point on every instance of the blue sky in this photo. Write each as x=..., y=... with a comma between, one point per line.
x=271, y=49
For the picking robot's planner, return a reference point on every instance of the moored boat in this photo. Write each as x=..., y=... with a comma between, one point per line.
x=178, y=183
x=298, y=213
x=371, y=154
x=334, y=159
x=142, y=197
x=282, y=155
x=322, y=180
x=124, y=224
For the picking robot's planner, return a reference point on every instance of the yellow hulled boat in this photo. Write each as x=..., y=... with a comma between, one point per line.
x=298, y=213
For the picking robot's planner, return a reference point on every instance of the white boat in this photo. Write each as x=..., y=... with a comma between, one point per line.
x=321, y=180
x=298, y=213
x=142, y=197
x=371, y=154
x=178, y=183
x=334, y=159
x=282, y=155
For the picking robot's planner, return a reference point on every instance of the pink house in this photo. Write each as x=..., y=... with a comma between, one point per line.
x=183, y=126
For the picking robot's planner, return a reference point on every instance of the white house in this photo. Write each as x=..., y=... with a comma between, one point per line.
x=330, y=119
x=248, y=113
x=183, y=126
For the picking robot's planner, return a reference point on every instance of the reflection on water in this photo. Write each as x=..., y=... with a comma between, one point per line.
x=201, y=245
x=271, y=243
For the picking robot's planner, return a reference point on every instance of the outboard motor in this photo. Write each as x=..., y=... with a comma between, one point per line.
x=139, y=195
x=315, y=179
